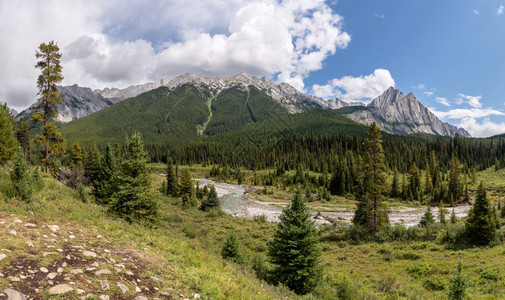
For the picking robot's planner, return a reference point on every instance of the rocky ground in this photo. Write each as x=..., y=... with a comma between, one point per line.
x=63, y=261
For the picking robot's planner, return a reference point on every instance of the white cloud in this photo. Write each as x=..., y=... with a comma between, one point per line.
x=473, y=101
x=476, y=12
x=381, y=16
x=443, y=101
x=428, y=93
x=500, y=10
x=360, y=88
x=460, y=113
x=485, y=128
x=118, y=43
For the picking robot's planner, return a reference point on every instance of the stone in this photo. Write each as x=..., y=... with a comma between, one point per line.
x=30, y=225
x=141, y=298
x=104, y=297
x=13, y=279
x=156, y=279
x=95, y=264
x=103, y=272
x=86, y=297
x=117, y=270
x=60, y=289
x=166, y=294
x=2, y=256
x=196, y=296
x=14, y=295
x=53, y=228
x=89, y=254
x=71, y=236
x=50, y=240
x=76, y=271
x=30, y=244
x=129, y=273
x=52, y=275
x=1, y=274
x=12, y=232
x=48, y=253
x=104, y=285
x=44, y=270
x=80, y=292
x=60, y=270
x=137, y=289
x=99, y=236
x=22, y=276
x=124, y=289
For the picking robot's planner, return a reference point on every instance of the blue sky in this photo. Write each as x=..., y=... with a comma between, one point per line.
x=448, y=53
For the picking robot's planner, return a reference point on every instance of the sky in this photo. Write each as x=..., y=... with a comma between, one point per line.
x=450, y=54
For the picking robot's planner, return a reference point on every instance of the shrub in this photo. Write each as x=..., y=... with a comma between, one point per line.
x=83, y=194
x=259, y=266
x=419, y=269
x=457, y=284
x=435, y=283
x=20, y=177
x=231, y=248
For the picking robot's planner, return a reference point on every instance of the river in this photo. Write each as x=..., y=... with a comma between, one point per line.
x=235, y=202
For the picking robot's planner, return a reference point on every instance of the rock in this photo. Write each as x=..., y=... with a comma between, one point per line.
x=104, y=297
x=124, y=289
x=48, y=253
x=80, y=292
x=76, y=271
x=50, y=241
x=71, y=236
x=44, y=270
x=99, y=236
x=137, y=289
x=156, y=279
x=1, y=274
x=30, y=225
x=13, y=279
x=103, y=272
x=53, y=228
x=117, y=270
x=30, y=244
x=52, y=275
x=60, y=289
x=166, y=294
x=60, y=270
x=14, y=295
x=196, y=296
x=95, y=264
x=86, y=297
x=89, y=254
x=17, y=221
x=12, y=232
x=104, y=285
x=2, y=256
x=141, y=298
x=22, y=276
x=129, y=273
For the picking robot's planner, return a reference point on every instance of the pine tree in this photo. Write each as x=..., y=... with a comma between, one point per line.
x=106, y=184
x=370, y=212
x=457, y=285
x=441, y=212
x=23, y=136
x=76, y=156
x=8, y=142
x=212, y=202
x=294, y=250
x=231, y=248
x=455, y=179
x=186, y=185
x=20, y=177
x=428, y=183
x=454, y=218
x=51, y=141
x=427, y=218
x=93, y=163
x=133, y=200
x=480, y=227
x=414, y=180
x=395, y=185
x=171, y=179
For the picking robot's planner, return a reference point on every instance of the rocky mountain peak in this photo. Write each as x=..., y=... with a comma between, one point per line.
x=387, y=98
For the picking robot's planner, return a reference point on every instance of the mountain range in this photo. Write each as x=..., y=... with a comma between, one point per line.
x=392, y=111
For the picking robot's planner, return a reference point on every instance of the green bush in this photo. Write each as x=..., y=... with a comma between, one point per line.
x=231, y=249
x=435, y=283
x=419, y=269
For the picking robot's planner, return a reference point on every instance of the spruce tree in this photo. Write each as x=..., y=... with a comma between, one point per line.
x=455, y=189
x=294, y=251
x=51, y=141
x=231, y=248
x=186, y=185
x=212, y=202
x=133, y=200
x=20, y=177
x=8, y=142
x=371, y=212
x=427, y=218
x=93, y=163
x=457, y=284
x=106, y=183
x=480, y=227
x=76, y=156
x=395, y=185
x=23, y=136
x=171, y=179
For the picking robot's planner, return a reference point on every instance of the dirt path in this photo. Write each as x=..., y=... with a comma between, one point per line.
x=235, y=202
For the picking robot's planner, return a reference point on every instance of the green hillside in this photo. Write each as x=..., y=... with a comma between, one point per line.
x=166, y=116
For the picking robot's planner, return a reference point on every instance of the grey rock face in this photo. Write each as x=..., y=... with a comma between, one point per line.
x=397, y=113
x=76, y=102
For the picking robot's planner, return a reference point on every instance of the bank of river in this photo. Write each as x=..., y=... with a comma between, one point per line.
x=235, y=202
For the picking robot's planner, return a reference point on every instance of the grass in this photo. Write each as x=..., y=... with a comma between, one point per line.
x=185, y=247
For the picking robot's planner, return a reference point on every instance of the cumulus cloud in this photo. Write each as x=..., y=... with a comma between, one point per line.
x=473, y=101
x=500, y=10
x=460, y=113
x=484, y=128
x=443, y=101
x=118, y=43
x=476, y=12
x=360, y=88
